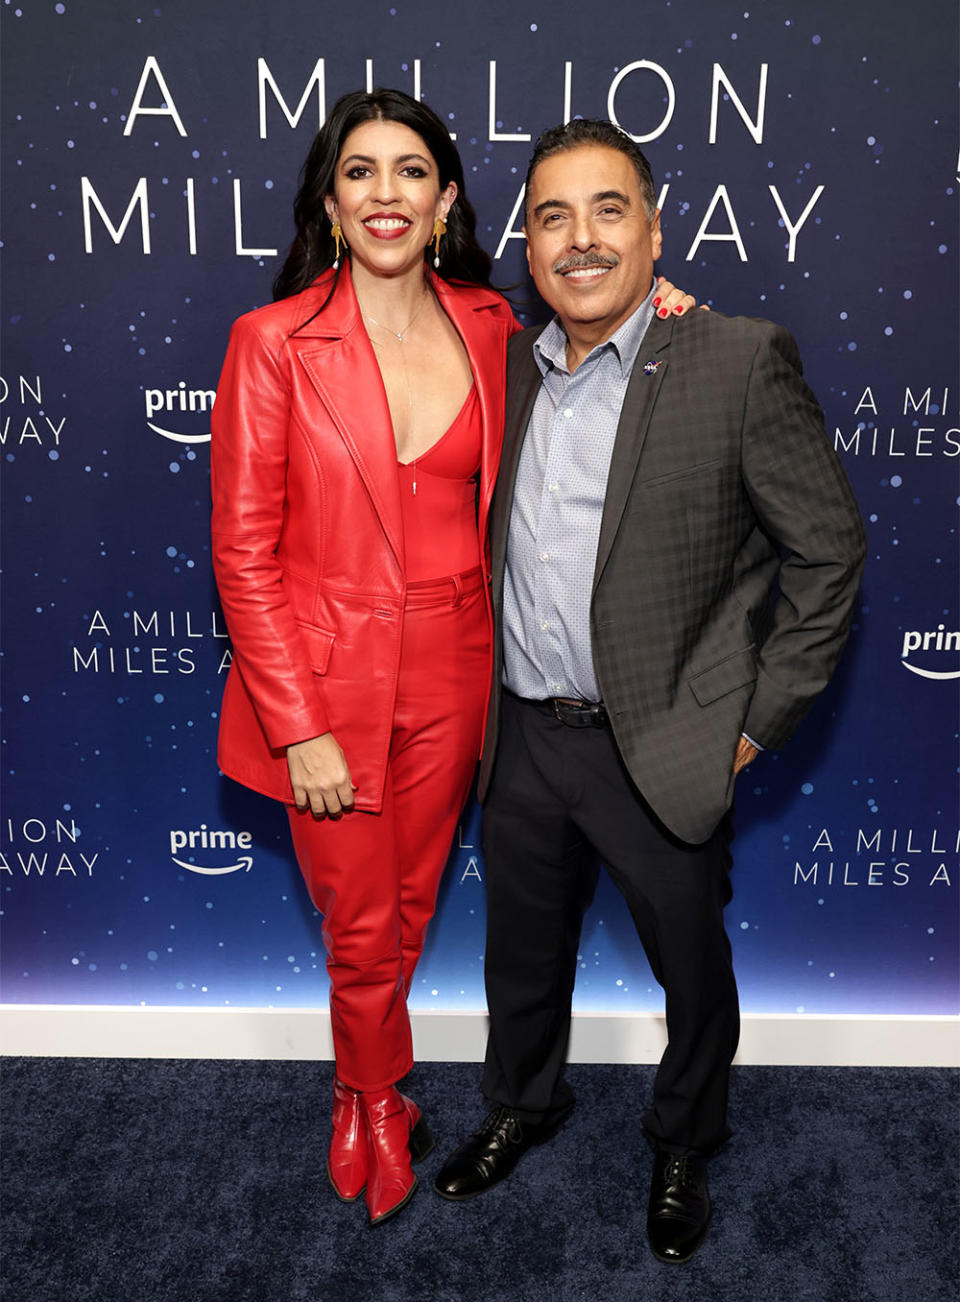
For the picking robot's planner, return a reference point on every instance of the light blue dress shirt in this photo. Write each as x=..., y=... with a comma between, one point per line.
x=557, y=509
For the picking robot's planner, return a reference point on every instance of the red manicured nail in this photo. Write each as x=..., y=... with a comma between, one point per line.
x=678, y=310
x=663, y=312
x=656, y=302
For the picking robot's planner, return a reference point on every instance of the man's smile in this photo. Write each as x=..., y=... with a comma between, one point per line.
x=585, y=275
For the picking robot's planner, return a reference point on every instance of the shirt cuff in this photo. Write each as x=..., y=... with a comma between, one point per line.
x=755, y=744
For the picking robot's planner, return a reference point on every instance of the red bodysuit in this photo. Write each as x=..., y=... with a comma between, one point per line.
x=438, y=499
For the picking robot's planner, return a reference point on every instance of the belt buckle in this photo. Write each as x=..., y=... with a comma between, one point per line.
x=578, y=714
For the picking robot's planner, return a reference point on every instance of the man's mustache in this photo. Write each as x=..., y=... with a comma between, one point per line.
x=584, y=260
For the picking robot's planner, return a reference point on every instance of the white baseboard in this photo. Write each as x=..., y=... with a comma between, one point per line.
x=790, y=1039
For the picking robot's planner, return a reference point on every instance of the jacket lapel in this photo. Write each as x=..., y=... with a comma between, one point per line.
x=639, y=401
x=484, y=337
x=523, y=384
x=339, y=359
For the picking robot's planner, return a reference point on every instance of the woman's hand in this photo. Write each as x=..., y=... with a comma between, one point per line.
x=670, y=301
x=320, y=776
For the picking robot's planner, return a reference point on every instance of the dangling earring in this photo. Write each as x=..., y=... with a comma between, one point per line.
x=439, y=230
x=336, y=230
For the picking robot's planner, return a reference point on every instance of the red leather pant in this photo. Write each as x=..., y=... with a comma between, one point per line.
x=374, y=877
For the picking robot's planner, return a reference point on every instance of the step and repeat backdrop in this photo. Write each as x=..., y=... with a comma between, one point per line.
x=807, y=162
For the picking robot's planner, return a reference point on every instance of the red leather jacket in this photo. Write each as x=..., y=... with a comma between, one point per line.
x=307, y=533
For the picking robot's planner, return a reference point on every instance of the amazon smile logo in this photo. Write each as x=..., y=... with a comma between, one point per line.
x=936, y=640
x=218, y=843
x=179, y=407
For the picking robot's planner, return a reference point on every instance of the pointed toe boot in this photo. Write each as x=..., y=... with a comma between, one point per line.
x=347, y=1160
x=396, y=1135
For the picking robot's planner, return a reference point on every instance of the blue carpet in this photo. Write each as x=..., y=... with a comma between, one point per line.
x=135, y=1181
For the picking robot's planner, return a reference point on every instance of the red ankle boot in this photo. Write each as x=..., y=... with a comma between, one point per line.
x=347, y=1160
x=396, y=1134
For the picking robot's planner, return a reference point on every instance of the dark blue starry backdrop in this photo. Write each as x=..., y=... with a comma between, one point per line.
x=808, y=159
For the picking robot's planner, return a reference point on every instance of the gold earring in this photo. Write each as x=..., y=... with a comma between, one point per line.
x=336, y=230
x=439, y=230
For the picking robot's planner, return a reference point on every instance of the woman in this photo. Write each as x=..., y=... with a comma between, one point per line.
x=355, y=443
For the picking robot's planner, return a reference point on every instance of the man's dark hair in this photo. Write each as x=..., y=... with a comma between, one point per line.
x=593, y=131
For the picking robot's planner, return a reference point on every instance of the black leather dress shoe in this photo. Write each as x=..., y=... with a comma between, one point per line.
x=679, y=1210
x=490, y=1154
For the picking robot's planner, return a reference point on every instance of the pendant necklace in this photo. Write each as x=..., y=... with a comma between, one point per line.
x=398, y=335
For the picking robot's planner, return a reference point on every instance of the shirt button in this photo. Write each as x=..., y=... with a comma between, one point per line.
x=554, y=488
x=544, y=556
x=568, y=412
x=545, y=624
x=558, y=687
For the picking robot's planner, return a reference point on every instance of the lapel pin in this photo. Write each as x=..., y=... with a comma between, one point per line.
x=650, y=368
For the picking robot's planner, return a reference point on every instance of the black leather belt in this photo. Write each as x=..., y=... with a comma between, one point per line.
x=575, y=714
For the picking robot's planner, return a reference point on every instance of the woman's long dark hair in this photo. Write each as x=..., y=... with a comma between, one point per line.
x=313, y=250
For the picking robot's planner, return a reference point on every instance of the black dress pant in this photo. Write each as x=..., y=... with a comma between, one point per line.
x=560, y=801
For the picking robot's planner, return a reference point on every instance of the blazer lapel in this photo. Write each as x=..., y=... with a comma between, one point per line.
x=484, y=337
x=639, y=401
x=523, y=385
x=339, y=359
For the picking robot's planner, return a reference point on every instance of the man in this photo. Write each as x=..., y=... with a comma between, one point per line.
x=676, y=553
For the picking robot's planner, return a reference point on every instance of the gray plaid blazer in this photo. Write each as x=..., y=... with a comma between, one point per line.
x=729, y=557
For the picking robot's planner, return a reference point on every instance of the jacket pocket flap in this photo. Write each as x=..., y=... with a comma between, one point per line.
x=684, y=472
x=319, y=645
x=735, y=671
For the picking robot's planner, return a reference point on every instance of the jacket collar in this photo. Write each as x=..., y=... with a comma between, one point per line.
x=327, y=309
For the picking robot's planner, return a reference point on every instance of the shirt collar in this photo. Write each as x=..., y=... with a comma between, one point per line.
x=550, y=349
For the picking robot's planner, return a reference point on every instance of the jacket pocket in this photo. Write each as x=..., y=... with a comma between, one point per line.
x=734, y=671
x=684, y=472
x=319, y=645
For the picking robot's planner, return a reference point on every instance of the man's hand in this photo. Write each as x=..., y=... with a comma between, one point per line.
x=670, y=301
x=319, y=776
x=746, y=754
